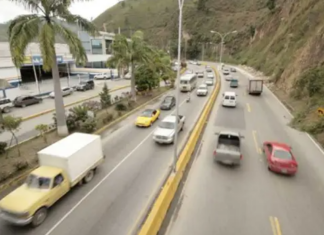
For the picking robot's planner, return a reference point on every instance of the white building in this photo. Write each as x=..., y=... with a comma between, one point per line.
x=98, y=51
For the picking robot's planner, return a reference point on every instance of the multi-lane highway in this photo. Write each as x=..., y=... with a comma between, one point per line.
x=120, y=194
x=250, y=200
x=27, y=129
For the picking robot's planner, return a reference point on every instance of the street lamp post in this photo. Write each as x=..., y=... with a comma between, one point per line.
x=222, y=41
x=175, y=157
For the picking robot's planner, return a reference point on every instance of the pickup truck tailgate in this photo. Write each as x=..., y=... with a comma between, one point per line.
x=227, y=154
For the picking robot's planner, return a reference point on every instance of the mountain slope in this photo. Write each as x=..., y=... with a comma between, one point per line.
x=286, y=42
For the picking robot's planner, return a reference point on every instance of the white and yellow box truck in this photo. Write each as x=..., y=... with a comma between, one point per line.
x=62, y=165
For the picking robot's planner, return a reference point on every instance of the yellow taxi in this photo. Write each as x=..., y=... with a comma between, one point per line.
x=147, y=117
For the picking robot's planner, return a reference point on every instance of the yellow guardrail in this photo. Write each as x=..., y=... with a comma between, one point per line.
x=153, y=222
x=70, y=104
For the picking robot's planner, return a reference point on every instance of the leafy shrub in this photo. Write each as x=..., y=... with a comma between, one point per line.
x=121, y=107
x=88, y=126
x=92, y=105
x=20, y=165
x=105, y=98
x=3, y=146
x=316, y=127
x=108, y=118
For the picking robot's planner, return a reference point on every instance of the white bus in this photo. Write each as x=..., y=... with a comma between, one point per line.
x=188, y=82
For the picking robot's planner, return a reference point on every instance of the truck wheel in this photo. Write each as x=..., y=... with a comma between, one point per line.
x=6, y=110
x=89, y=176
x=39, y=217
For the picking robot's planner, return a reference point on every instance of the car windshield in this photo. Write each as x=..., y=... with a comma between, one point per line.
x=183, y=82
x=202, y=88
x=282, y=154
x=167, y=125
x=33, y=181
x=147, y=113
x=83, y=83
x=167, y=100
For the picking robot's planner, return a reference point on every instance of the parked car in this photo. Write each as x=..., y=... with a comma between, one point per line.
x=164, y=134
x=168, y=103
x=102, y=76
x=6, y=105
x=65, y=92
x=228, y=148
x=23, y=101
x=85, y=85
x=280, y=158
x=202, y=90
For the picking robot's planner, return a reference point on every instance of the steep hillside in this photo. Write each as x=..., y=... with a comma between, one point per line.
x=282, y=38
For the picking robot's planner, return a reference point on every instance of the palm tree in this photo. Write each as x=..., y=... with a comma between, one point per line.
x=131, y=52
x=44, y=24
x=161, y=64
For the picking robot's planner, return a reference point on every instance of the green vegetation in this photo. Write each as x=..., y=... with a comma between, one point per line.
x=45, y=26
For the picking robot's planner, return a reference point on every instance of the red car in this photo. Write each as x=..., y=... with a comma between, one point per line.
x=280, y=158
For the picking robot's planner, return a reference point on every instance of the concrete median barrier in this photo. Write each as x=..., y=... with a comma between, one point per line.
x=154, y=220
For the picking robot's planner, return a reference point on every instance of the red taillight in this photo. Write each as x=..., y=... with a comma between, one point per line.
x=214, y=152
x=241, y=157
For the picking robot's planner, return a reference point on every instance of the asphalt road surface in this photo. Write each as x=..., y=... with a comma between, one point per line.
x=250, y=200
x=27, y=128
x=125, y=184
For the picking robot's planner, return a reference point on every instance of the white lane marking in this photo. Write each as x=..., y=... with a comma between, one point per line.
x=286, y=109
x=102, y=180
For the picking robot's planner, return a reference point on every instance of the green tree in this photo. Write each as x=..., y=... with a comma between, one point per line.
x=132, y=52
x=146, y=78
x=12, y=125
x=161, y=64
x=42, y=129
x=44, y=24
x=201, y=5
x=105, y=98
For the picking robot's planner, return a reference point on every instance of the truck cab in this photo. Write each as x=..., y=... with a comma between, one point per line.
x=27, y=204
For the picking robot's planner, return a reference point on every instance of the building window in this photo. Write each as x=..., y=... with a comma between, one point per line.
x=96, y=45
x=108, y=47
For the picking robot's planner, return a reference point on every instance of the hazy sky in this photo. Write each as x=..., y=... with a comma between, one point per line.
x=9, y=10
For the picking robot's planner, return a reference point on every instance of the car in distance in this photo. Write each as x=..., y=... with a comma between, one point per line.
x=209, y=69
x=85, y=85
x=200, y=74
x=234, y=83
x=228, y=148
x=202, y=90
x=228, y=78
x=164, y=134
x=102, y=76
x=65, y=92
x=229, y=99
x=232, y=69
x=210, y=75
x=168, y=103
x=280, y=159
x=23, y=101
x=226, y=71
x=209, y=81
x=147, y=118
x=5, y=105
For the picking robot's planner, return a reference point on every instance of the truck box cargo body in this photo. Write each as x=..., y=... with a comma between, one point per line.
x=74, y=154
x=255, y=86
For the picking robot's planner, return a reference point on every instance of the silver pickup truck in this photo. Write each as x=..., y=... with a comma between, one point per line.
x=164, y=134
x=228, y=148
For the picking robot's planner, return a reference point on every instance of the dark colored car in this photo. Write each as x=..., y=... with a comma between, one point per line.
x=86, y=85
x=168, y=103
x=23, y=101
x=234, y=83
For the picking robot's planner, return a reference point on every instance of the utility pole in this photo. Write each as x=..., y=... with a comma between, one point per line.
x=222, y=42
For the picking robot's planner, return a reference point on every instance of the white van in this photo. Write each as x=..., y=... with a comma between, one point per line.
x=229, y=99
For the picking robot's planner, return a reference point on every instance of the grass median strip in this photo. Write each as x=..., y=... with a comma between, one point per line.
x=155, y=218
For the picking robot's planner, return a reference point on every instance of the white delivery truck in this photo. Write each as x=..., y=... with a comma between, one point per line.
x=255, y=86
x=62, y=165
